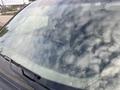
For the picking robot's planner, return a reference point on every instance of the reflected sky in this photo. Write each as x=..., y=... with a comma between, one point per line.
x=73, y=40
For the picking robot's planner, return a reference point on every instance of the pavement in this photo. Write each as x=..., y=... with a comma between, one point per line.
x=4, y=19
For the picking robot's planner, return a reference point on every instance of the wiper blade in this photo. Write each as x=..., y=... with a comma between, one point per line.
x=23, y=73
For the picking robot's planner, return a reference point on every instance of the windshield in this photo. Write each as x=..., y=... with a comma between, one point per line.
x=70, y=43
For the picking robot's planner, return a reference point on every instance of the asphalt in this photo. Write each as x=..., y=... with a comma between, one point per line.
x=4, y=19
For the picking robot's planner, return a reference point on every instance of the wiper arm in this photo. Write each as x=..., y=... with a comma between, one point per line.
x=23, y=73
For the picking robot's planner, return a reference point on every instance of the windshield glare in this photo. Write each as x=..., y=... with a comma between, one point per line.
x=76, y=41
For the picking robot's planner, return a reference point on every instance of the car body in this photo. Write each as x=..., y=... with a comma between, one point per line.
x=64, y=45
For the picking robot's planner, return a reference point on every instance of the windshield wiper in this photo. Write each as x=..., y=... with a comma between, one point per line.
x=23, y=73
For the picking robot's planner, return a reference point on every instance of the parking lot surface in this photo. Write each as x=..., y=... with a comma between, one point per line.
x=4, y=19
